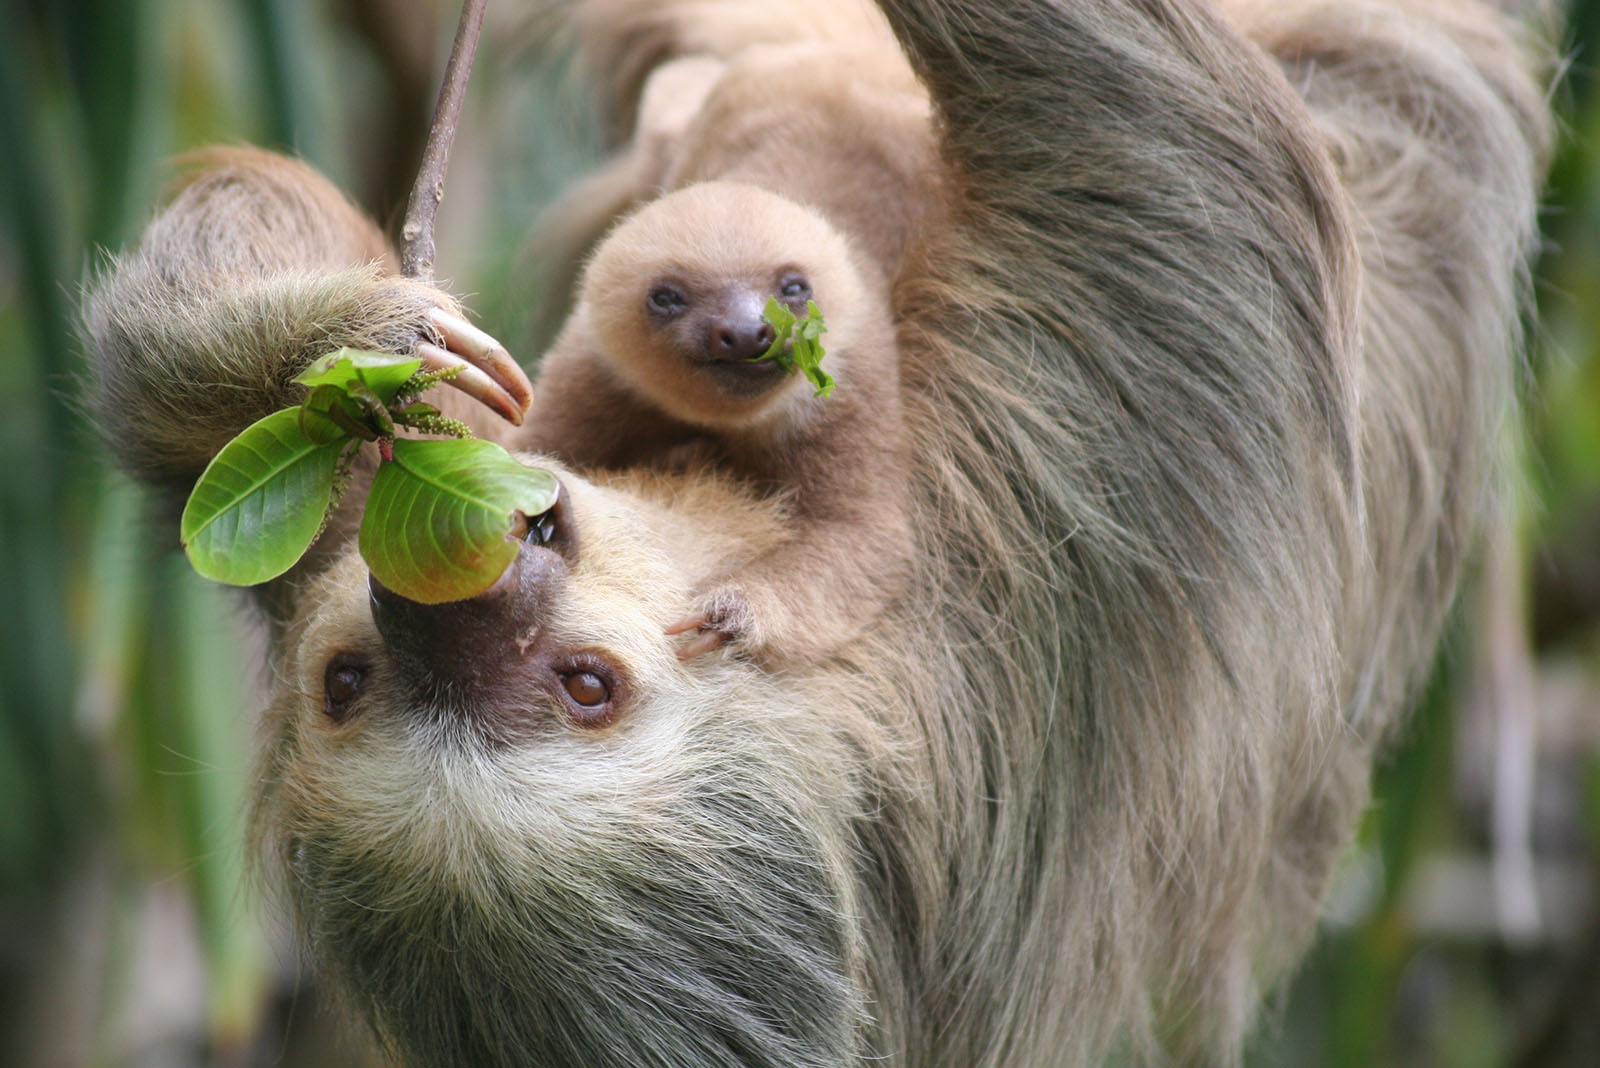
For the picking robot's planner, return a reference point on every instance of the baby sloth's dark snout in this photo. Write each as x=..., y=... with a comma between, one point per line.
x=481, y=653
x=736, y=330
x=734, y=339
x=735, y=336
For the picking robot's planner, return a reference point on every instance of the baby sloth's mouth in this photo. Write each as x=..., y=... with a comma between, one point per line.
x=745, y=378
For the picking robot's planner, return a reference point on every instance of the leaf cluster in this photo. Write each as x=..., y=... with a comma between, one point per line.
x=440, y=514
x=797, y=344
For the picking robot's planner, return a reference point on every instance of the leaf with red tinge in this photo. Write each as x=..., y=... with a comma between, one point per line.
x=439, y=517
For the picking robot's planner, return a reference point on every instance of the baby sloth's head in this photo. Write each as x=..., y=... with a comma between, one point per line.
x=675, y=297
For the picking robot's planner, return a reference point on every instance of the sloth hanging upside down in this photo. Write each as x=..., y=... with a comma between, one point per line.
x=1201, y=322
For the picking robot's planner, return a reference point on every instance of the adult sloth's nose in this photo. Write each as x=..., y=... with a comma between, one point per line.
x=479, y=649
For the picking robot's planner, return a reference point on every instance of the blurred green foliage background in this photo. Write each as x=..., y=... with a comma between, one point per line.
x=1465, y=931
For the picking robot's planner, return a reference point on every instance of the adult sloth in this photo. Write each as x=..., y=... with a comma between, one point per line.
x=1203, y=348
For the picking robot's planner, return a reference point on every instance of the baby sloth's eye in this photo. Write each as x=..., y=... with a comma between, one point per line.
x=342, y=683
x=794, y=287
x=667, y=300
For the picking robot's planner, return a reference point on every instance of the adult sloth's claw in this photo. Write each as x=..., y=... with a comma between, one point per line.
x=488, y=373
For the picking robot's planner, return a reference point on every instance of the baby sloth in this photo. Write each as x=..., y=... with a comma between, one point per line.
x=655, y=367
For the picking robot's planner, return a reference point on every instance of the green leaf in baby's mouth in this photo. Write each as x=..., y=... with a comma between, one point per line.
x=261, y=502
x=797, y=343
x=440, y=517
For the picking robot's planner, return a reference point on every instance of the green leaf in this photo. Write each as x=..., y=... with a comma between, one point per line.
x=440, y=514
x=781, y=319
x=414, y=410
x=806, y=352
x=371, y=406
x=382, y=372
x=260, y=502
x=323, y=416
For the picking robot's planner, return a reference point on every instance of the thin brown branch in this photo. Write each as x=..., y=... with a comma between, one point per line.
x=416, y=235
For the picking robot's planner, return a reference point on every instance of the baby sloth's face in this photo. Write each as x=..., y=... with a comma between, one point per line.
x=717, y=325
x=675, y=299
x=508, y=824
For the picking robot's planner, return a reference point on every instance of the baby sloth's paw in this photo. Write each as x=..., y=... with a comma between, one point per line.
x=722, y=616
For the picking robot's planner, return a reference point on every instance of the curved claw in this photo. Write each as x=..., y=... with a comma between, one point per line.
x=693, y=621
x=488, y=373
x=708, y=639
x=469, y=380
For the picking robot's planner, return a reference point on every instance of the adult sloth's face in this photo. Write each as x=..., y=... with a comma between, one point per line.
x=518, y=830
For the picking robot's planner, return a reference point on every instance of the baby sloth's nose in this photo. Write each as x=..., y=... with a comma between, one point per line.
x=737, y=337
x=477, y=652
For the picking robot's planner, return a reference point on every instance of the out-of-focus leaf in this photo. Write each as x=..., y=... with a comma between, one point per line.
x=211, y=802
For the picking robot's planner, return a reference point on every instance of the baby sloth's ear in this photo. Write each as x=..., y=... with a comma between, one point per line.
x=489, y=655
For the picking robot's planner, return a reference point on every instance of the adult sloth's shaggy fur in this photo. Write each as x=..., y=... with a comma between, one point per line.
x=1203, y=351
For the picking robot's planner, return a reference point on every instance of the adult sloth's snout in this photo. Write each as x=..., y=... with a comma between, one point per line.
x=486, y=648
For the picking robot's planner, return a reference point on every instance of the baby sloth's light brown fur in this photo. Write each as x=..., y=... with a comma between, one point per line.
x=653, y=369
x=1208, y=330
x=837, y=124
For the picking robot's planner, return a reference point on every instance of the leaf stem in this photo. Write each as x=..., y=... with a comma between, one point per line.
x=416, y=234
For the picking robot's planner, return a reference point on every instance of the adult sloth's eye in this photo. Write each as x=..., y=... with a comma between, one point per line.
x=587, y=689
x=343, y=682
x=593, y=689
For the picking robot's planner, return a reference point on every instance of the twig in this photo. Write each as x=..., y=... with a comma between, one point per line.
x=416, y=235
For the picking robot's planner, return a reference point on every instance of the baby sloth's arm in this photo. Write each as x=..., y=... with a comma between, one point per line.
x=256, y=267
x=588, y=417
x=847, y=547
